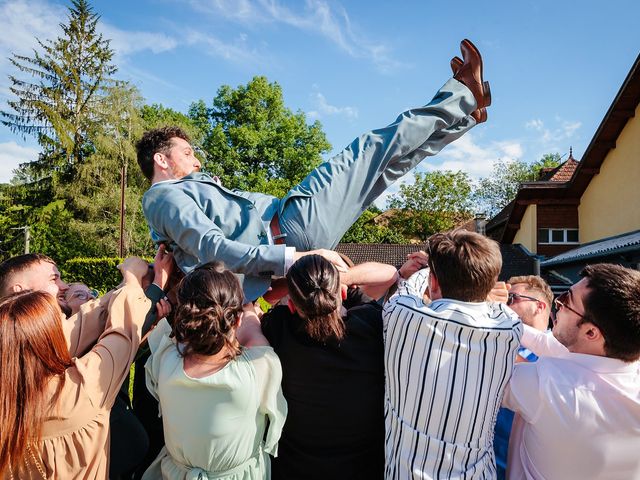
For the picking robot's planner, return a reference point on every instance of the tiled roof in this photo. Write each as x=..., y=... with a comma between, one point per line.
x=600, y=248
x=515, y=259
x=562, y=173
x=391, y=254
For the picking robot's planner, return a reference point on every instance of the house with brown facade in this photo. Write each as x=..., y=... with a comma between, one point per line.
x=587, y=211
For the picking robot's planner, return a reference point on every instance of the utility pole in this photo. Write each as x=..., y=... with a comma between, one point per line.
x=123, y=186
x=27, y=237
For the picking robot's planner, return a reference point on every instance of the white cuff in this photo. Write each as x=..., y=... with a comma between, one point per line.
x=289, y=253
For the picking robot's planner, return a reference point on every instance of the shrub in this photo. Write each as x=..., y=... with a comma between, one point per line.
x=99, y=273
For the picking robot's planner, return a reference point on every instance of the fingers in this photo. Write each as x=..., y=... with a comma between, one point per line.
x=499, y=293
x=163, y=308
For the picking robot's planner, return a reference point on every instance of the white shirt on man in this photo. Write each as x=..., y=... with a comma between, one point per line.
x=577, y=415
x=446, y=367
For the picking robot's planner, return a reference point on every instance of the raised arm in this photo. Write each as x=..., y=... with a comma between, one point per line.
x=180, y=219
x=107, y=364
x=543, y=344
x=249, y=333
x=373, y=278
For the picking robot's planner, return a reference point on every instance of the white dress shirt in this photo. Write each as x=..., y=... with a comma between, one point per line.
x=577, y=415
x=446, y=367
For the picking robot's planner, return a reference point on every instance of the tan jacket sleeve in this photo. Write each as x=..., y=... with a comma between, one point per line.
x=83, y=329
x=106, y=366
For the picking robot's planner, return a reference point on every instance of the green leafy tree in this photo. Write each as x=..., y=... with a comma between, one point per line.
x=548, y=160
x=58, y=101
x=253, y=142
x=366, y=230
x=157, y=115
x=437, y=201
x=95, y=196
x=497, y=190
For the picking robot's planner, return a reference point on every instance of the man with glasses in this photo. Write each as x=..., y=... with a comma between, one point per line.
x=77, y=295
x=578, y=407
x=531, y=298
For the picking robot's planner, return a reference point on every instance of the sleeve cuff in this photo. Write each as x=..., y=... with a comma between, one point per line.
x=288, y=258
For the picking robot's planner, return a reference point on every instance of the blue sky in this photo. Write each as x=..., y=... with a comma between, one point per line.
x=554, y=66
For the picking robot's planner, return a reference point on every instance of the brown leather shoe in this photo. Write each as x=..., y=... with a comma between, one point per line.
x=456, y=64
x=470, y=73
x=480, y=115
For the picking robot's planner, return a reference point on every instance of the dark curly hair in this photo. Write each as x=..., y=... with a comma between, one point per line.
x=209, y=306
x=154, y=141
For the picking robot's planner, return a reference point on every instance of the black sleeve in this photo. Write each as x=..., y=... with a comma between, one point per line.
x=155, y=294
x=356, y=297
x=271, y=324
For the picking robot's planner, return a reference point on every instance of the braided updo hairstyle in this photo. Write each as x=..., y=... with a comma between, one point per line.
x=314, y=288
x=209, y=306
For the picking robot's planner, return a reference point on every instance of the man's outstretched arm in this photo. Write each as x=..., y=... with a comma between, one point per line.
x=197, y=235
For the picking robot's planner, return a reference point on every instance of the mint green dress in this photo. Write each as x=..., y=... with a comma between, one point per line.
x=223, y=426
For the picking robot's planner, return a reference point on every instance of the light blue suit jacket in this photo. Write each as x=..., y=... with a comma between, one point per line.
x=203, y=222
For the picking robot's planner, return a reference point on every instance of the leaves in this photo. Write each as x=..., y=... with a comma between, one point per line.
x=58, y=103
x=496, y=191
x=253, y=142
x=437, y=201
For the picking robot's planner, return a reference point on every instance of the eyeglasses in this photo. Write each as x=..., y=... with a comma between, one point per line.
x=84, y=295
x=561, y=302
x=516, y=296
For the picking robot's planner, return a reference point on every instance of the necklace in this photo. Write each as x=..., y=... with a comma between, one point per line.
x=35, y=461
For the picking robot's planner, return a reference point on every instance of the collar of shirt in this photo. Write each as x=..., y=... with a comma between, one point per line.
x=195, y=176
x=599, y=364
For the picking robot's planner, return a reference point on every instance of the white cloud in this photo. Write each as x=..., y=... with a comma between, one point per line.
x=552, y=138
x=475, y=159
x=535, y=124
x=129, y=42
x=238, y=51
x=464, y=154
x=11, y=156
x=22, y=22
x=569, y=128
x=317, y=17
x=25, y=20
x=325, y=109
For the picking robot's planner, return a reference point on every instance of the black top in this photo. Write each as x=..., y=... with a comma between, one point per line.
x=335, y=394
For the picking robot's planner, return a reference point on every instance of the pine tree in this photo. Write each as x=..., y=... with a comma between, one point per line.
x=58, y=103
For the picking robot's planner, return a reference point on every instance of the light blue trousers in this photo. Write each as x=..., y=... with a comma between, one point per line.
x=318, y=211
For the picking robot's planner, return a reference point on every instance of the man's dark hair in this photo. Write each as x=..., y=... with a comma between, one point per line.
x=18, y=264
x=155, y=141
x=612, y=304
x=314, y=288
x=465, y=263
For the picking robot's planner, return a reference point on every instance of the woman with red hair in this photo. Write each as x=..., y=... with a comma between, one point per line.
x=54, y=409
